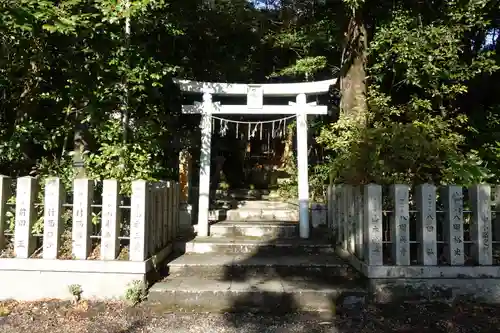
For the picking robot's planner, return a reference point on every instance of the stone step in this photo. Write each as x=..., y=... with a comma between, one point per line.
x=262, y=214
x=255, y=229
x=223, y=266
x=262, y=294
x=242, y=245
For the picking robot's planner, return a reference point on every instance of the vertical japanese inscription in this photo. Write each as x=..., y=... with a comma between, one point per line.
x=24, y=242
x=138, y=225
x=453, y=203
x=5, y=193
x=83, y=193
x=110, y=226
x=339, y=211
x=358, y=220
x=52, y=218
x=427, y=226
x=480, y=196
x=373, y=224
x=400, y=225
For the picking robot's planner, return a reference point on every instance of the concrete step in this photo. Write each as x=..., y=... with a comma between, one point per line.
x=261, y=245
x=255, y=229
x=261, y=294
x=262, y=214
x=223, y=266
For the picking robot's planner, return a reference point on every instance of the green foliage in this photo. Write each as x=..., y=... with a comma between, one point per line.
x=417, y=125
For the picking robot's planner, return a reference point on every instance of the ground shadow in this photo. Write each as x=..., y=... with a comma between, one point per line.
x=345, y=312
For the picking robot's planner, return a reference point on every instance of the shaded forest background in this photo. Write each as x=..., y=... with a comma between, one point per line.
x=90, y=82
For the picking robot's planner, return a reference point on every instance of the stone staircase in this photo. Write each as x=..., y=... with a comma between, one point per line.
x=255, y=261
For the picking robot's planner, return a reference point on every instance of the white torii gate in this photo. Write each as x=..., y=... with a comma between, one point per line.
x=255, y=97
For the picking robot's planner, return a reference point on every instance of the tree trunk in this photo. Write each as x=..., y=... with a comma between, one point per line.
x=353, y=104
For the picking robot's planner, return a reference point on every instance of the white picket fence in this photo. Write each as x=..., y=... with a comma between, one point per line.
x=148, y=224
x=424, y=232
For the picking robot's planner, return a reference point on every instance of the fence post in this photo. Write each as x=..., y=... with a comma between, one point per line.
x=496, y=198
x=351, y=222
x=5, y=193
x=138, y=221
x=345, y=216
x=177, y=194
x=83, y=194
x=110, y=225
x=400, y=223
x=358, y=216
x=24, y=241
x=339, y=214
x=373, y=225
x=426, y=224
x=453, y=225
x=480, y=196
x=52, y=220
x=170, y=186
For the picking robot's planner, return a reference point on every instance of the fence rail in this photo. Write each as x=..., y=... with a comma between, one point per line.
x=424, y=227
x=148, y=220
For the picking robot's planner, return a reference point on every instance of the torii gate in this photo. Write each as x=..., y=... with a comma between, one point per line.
x=255, y=105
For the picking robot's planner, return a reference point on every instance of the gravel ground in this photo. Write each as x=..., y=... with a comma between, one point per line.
x=54, y=317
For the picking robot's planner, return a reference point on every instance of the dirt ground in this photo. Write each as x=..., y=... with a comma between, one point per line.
x=54, y=317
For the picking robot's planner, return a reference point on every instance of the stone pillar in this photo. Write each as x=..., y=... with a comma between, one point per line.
x=346, y=190
x=351, y=222
x=83, y=193
x=330, y=200
x=110, y=223
x=302, y=167
x=426, y=224
x=24, y=241
x=5, y=193
x=138, y=223
x=53, y=223
x=453, y=224
x=340, y=214
x=496, y=198
x=358, y=220
x=400, y=224
x=204, y=184
x=480, y=196
x=373, y=225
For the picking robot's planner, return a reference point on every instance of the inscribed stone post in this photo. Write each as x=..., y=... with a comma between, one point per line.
x=53, y=223
x=339, y=214
x=496, y=226
x=346, y=190
x=176, y=209
x=400, y=224
x=138, y=222
x=24, y=241
x=5, y=193
x=358, y=219
x=166, y=211
x=373, y=224
x=351, y=228
x=156, y=218
x=175, y=198
x=83, y=194
x=110, y=226
x=480, y=196
x=161, y=218
x=453, y=224
x=329, y=202
x=170, y=215
x=426, y=224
